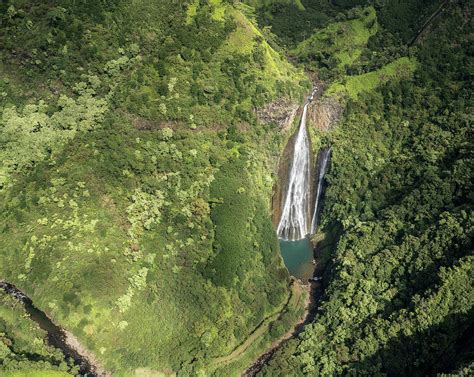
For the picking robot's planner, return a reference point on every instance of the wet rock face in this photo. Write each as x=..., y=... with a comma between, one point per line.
x=280, y=188
x=295, y=222
x=284, y=166
x=284, y=163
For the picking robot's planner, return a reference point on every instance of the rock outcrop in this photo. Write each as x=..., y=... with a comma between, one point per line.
x=325, y=113
x=282, y=112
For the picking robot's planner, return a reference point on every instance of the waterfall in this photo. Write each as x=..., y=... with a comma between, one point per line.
x=294, y=222
x=322, y=166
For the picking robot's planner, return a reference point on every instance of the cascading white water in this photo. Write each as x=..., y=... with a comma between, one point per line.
x=323, y=160
x=294, y=222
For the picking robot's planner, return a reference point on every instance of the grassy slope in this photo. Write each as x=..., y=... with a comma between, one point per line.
x=340, y=41
x=353, y=86
x=121, y=234
x=339, y=45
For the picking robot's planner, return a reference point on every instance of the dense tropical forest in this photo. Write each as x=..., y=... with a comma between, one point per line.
x=139, y=150
x=399, y=291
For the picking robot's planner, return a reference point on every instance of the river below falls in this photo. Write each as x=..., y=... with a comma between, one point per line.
x=56, y=336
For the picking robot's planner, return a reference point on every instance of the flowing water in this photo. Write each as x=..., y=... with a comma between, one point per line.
x=299, y=218
x=321, y=168
x=294, y=222
x=55, y=334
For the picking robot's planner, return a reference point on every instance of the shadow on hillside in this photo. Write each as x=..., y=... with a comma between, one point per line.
x=442, y=348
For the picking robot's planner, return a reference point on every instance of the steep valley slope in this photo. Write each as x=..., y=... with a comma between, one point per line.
x=139, y=151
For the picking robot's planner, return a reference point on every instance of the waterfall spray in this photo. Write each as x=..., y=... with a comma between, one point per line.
x=294, y=222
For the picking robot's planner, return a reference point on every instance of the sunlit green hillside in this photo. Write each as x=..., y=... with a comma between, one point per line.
x=134, y=185
x=339, y=44
x=144, y=143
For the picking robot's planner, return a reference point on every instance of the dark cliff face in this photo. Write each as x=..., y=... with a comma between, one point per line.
x=281, y=186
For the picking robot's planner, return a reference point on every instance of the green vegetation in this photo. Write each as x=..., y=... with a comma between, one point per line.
x=353, y=86
x=263, y=3
x=134, y=187
x=338, y=45
x=273, y=327
x=294, y=21
x=404, y=18
x=135, y=182
x=37, y=373
x=399, y=294
x=23, y=351
x=291, y=21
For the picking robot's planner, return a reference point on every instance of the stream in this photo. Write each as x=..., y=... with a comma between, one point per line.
x=56, y=336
